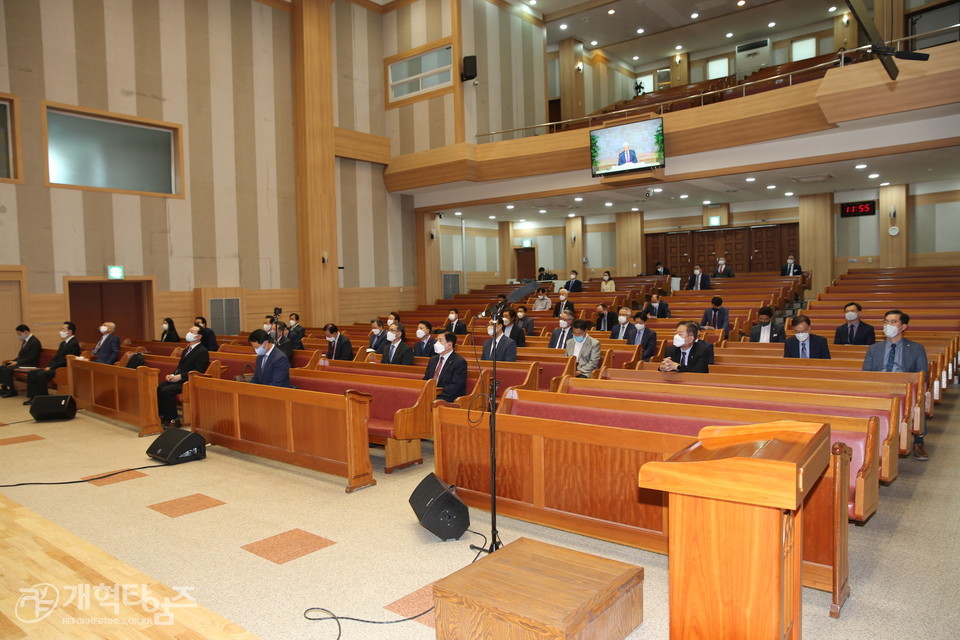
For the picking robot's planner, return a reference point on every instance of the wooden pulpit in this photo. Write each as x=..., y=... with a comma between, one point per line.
x=735, y=529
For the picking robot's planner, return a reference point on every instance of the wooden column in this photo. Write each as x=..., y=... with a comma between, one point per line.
x=630, y=243
x=888, y=16
x=679, y=69
x=845, y=36
x=574, y=241
x=817, y=240
x=720, y=210
x=429, y=278
x=893, y=249
x=571, y=79
x=315, y=161
x=508, y=265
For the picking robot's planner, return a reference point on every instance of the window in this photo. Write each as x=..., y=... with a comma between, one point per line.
x=718, y=68
x=10, y=168
x=803, y=49
x=646, y=81
x=92, y=150
x=421, y=73
x=663, y=78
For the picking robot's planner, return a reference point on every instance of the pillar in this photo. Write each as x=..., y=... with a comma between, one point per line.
x=508, y=264
x=679, y=69
x=817, y=240
x=892, y=212
x=429, y=278
x=575, y=240
x=630, y=244
x=571, y=79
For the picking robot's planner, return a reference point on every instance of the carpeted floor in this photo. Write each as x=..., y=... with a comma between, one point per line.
x=260, y=541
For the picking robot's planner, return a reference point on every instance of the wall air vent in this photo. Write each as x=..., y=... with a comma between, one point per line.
x=814, y=179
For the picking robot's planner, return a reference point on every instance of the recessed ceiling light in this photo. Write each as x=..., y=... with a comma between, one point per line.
x=533, y=2
x=658, y=190
x=634, y=209
x=751, y=179
x=684, y=196
x=706, y=202
x=729, y=35
x=884, y=184
x=771, y=24
x=458, y=213
x=741, y=3
x=873, y=175
x=678, y=47
x=593, y=43
x=860, y=166
x=571, y=215
x=611, y=12
x=509, y=206
x=523, y=219
x=636, y=57
x=771, y=186
x=694, y=16
x=492, y=217
x=640, y=30
x=543, y=210
x=578, y=199
x=608, y=204
x=832, y=9
x=563, y=27
x=788, y=193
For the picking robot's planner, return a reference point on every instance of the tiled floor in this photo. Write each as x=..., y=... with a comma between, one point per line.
x=186, y=505
x=287, y=546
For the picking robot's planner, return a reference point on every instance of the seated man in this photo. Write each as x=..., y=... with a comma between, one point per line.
x=574, y=284
x=38, y=379
x=454, y=325
x=395, y=350
x=207, y=336
x=107, y=350
x=511, y=329
x=606, y=320
x=194, y=358
x=424, y=346
x=524, y=321
x=723, y=269
x=28, y=356
x=272, y=367
x=660, y=270
x=687, y=354
x=297, y=332
x=585, y=348
x=804, y=344
x=496, y=309
x=699, y=281
x=791, y=268
x=717, y=316
x=543, y=301
x=448, y=368
x=896, y=353
x=563, y=305
x=277, y=332
x=624, y=329
x=378, y=337
x=767, y=330
x=854, y=331
x=498, y=344
x=647, y=338
x=340, y=347
x=560, y=335
x=657, y=308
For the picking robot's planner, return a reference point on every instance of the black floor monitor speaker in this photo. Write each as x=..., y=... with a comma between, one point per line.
x=469, y=68
x=53, y=408
x=439, y=509
x=174, y=446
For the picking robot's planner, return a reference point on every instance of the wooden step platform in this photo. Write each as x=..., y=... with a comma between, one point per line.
x=50, y=587
x=531, y=589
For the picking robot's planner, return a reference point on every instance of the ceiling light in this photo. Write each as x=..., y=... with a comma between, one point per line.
x=533, y=2
x=884, y=184
x=678, y=47
x=751, y=179
x=729, y=35
x=771, y=186
x=788, y=193
x=458, y=213
x=706, y=202
x=634, y=209
x=640, y=30
x=608, y=204
x=694, y=16
x=509, y=206
x=492, y=217
x=684, y=196
x=657, y=190
x=771, y=24
x=543, y=210
x=571, y=215
x=593, y=43
x=563, y=27
x=523, y=219
x=578, y=199
x=832, y=9
x=873, y=175
x=741, y=3
x=611, y=12
x=860, y=166
x=636, y=57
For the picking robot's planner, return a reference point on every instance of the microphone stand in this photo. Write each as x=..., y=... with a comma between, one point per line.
x=494, y=383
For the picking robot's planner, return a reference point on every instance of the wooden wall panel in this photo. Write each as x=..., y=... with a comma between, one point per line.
x=480, y=279
x=508, y=265
x=179, y=306
x=630, y=245
x=260, y=302
x=44, y=314
x=571, y=79
x=361, y=146
x=363, y=304
x=893, y=249
x=817, y=235
x=574, y=228
x=429, y=281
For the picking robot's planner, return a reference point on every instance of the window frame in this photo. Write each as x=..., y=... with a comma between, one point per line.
x=15, y=148
x=706, y=67
x=809, y=36
x=179, y=186
x=423, y=94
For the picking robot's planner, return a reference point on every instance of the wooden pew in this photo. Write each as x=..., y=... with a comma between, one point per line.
x=60, y=381
x=127, y=395
x=321, y=431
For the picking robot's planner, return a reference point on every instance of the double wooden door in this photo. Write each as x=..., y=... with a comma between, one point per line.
x=746, y=249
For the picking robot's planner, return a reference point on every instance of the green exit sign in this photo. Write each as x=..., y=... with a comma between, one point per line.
x=115, y=272
x=714, y=221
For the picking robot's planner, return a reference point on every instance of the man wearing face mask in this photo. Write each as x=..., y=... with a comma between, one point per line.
x=424, y=346
x=339, y=345
x=396, y=350
x=606, y=320
x=38, y=379
x=563, y=304
x=448, y=368
x=897, y=354
x=646, y=338
x=585, y=348
x=511, y=329
x=560, y=335
x=791, y=268
x=767, y=330
x=699, y=281
x=574, y=285
x=195, y=357
x=657, y=308
x=723, y=269
x=276, y=331
x=378, y=336
x=717, y=316
x=454, y=325
x=29, y=356
x=804, y=344
x=854, y=331
x=108, y=348
x=660, y=270
x=504, y=347
x=624, y=329
x=687, y=354
x=542, y=302
x=524, y=321
x=272, y=367
x=297, y=332
x=496, y=309
x=208, y=338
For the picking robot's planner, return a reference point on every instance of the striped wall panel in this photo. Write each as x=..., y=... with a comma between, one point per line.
x=604, y=84
x=219, y=68
x=358, y=54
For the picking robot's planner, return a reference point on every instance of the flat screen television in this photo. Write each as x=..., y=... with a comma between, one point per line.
x=636, y=146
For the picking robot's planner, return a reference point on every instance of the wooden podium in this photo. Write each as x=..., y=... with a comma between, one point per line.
x=735, y=529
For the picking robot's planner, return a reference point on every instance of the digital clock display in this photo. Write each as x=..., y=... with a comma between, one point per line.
x=853, y=209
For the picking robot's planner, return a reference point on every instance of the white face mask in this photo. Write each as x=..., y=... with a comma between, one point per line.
x=679, y=341
x=391, y=336
x=721, y=262
x=63, y=335
x=165, y=326
x=507, y=322
x=640, y=326
x=103, y=329
x=192, y=337
x=562, y=297
x=266, y=327
x=605, y=278
x=521, y=314
x=802, y=336
x=260, y=350
x=439, y=348
x=573, y=276
x=331, y=338
x=489, y=331
x=421, y=334
x=851, y=316
x=696, y=272
x=624, y=319
x=563, y=324
x=452, y=317
x=293, y=323
x=539, y=296
x=377, y=332
x=789, y=261
x=22, y=336
x=890, y=331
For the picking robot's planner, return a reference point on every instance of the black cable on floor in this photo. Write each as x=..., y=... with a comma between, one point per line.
x=107, y=475
x=6, y=424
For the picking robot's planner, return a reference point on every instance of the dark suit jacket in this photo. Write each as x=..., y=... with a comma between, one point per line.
x=272, y=369
x=624, y=158
x=725, y=272
x=797, y=270
x=376, y=342
x=649, y=342
x=566, y=305
x=663, y=310
x=296, y=336
x=29, y=355
x=169, y=336
x=516, y=333
x=913, y=358
x=344, y=350
x=573, y=286
x=698, y=360
x=496, y=309
x=453, y=376
x=555, y=335
x=777, y=333
x=506, y=350
x=286, y=347
x=704, y=282
x=818, y=348
x=109, y=351
x=196, y=359
x=208, y=339
x=71, y=348
x=865, y=334
x=421, y=350
x=628, y=334
x=723, y=318
x=665, y=272
x=611, y=321
x=403, y=354
x=460, y=329
x=527, y=324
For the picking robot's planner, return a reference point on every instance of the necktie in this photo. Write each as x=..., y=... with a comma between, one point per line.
x=439, y=366
x=697, y=288
x=99, y=344
x=393, y=350
x=892, y=357
x=623, y=330
x=850, y=339
x=803, y=349
x=562, y=340
x=714, y=323
x=683, y=358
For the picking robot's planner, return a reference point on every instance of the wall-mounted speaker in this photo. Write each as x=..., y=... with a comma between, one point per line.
x=53, y=408
x=469, y=68
x=439, y=509
x=174, y=446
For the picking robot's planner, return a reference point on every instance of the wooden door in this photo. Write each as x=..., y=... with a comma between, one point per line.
x=707, y=247
x=656, y=251
x=526, y=261
x=790, y=243
x=736, y=249
x=679, y=253
x=122, y=302
x=765, y=248
x=11, y=315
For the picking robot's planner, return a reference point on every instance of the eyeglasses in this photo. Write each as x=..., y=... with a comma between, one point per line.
x=893, y=322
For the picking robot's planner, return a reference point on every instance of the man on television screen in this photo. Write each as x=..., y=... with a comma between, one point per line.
x=627, y=155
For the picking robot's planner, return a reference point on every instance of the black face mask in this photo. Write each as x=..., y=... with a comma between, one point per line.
x=764, y=324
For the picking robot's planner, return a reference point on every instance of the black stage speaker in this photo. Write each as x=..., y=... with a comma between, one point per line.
x=53, y=408
x=174, y=446
x=469, y=68
x=439, y=509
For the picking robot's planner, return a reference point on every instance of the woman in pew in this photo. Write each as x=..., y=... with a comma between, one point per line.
x=272, y=367
x=169, y=331
x=608, y=284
